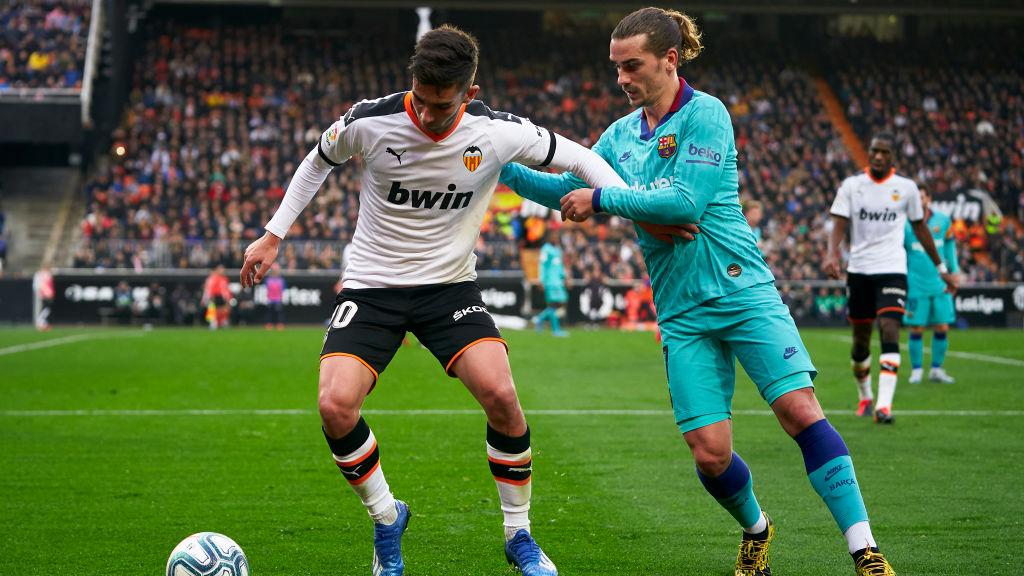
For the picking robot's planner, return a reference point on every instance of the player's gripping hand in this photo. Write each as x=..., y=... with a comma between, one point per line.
x=262, y=252
x=578, y=205
x=952, y=282
x=832, y=267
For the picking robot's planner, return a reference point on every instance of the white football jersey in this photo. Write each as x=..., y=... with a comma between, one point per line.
x=877, y=211
x=423, y=195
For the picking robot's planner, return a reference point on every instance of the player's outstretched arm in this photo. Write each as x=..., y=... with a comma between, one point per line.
x=924, y=236
x=308, y=178
x=542, y=187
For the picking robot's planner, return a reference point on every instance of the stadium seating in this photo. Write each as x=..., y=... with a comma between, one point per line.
x=43, y=43
x=219, y=117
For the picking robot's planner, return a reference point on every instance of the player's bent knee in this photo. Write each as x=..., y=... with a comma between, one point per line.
x=712, y=460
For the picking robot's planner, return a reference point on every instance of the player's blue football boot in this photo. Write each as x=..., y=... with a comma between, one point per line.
x=387, y=544
x=523, y=552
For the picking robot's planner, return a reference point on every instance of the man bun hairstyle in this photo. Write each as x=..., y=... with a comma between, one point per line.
x=664, y=30
x=444, y=57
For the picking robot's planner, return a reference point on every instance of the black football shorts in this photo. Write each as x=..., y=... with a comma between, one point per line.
x=872, y=295
x=369, y=324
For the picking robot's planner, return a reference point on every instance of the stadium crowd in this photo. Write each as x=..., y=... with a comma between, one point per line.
x=219, y=117
x=42, y=43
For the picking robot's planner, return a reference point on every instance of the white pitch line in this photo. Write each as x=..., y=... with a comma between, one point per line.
x=965, y=355
x=442, y=412
x=65, y=340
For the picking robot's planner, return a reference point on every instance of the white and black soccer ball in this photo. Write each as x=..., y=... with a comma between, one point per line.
x=207, y=554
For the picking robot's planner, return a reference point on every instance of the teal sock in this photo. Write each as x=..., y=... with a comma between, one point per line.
x=916, y=346
x=940, y=343
x=830, y=470
x=556, y=324
x=734, y=490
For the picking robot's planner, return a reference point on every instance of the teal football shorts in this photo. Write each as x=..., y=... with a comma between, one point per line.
x=702, y=345
x=930, y=310
x=555, y=294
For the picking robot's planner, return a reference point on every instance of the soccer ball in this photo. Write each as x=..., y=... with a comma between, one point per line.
x=207, y=554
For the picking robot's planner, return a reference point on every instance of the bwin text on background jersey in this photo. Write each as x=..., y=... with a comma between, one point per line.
x=877, y=210
x=681, y=172
x=423, y=196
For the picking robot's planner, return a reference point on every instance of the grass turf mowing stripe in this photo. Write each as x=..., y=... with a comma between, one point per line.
x=956, y=354
x=427, y=412
x=65, y=340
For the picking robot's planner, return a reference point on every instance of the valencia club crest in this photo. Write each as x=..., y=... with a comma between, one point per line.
x=472, y=158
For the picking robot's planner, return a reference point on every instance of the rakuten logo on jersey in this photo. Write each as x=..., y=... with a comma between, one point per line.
x=459, y=314
x=450, y=200
x=884, y=216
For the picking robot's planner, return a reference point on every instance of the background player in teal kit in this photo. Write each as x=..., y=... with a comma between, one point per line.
x=928, y=301
x=552, y=277
x=715, y=295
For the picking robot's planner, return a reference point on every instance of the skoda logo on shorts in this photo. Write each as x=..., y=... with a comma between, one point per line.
x=734, y=270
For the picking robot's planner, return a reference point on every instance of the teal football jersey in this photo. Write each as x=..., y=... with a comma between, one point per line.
x=552, y=269
x=683, y=171
x=922, y=277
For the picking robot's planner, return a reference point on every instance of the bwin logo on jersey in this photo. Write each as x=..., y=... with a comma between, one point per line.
x=884, y=216
x=449, y=200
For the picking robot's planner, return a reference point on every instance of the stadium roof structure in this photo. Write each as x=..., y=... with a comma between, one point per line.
x=1014, y=8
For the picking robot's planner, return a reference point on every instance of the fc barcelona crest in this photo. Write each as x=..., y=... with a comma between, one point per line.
x=472, y=158
x=667, y=146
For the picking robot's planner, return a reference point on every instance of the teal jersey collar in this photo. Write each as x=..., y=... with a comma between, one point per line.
x=683, y=96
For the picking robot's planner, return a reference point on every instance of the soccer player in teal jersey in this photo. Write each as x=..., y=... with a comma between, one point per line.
x=928, y=301
x=715, y=295
x=552, y=277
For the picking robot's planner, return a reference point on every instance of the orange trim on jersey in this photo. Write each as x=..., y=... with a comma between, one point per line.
x=361, y=361
x=365, y=477
x=416, y=120
x=887, y=372
x=892, y=309
x=448, y=368
x=887, y=176
x=509, y=462
x=513, y=482
x=357, y=460
x=860, y=320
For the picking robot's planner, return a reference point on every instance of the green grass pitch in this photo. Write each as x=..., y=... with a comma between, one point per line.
x=111, y=488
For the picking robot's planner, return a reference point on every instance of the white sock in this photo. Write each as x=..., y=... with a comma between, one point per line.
x=890, y=362
x=514, y=494
x=864, y=383
x=758, y=526
x=858, y=537
x=362, y=470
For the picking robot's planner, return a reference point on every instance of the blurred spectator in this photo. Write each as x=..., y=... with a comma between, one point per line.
x=42, y=43
x=42, y=285
x=275, y=298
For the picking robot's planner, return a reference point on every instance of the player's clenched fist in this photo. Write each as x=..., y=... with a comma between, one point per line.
x=262, y=252
x=578, y=205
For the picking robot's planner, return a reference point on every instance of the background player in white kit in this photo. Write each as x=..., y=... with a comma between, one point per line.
x=433, y=156
x=876, y=205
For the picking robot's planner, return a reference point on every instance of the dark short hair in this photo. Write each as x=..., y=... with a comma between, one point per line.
x=445, y=57
x=884, y=135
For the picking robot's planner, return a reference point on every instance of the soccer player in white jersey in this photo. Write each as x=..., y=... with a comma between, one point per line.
x=433, y=155
x=875, y=205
